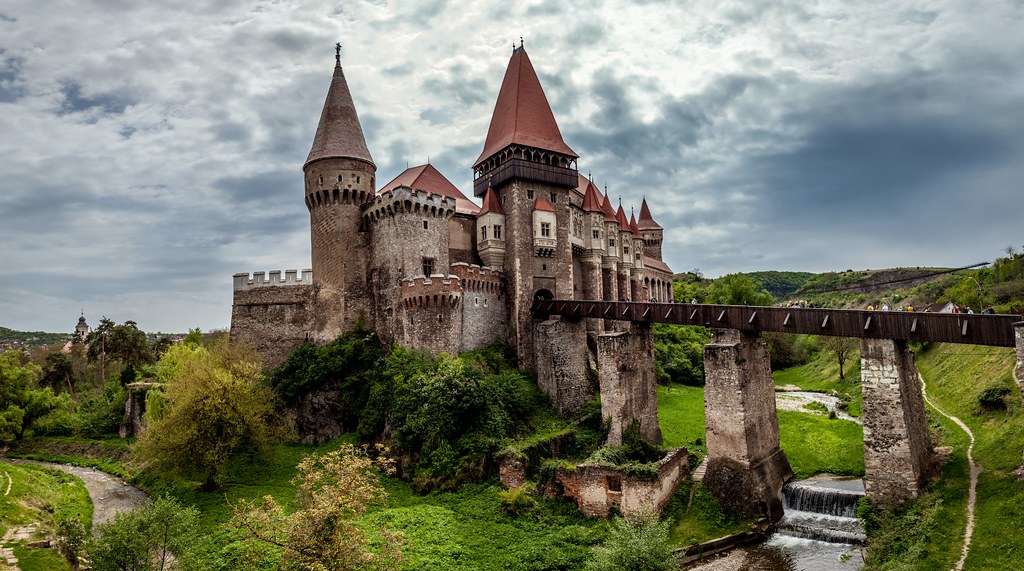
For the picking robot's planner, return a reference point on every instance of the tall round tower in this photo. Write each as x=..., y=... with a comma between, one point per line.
x=339, y=179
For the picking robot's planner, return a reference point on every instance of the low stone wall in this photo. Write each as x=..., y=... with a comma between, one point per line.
x=598, y=490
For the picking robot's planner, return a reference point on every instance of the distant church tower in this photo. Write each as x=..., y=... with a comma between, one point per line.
x=339, y=179
x=82, y=329
x=532, y=172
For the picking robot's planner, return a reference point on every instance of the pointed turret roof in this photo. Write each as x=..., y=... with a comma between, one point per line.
x=522, y=114
x=646, y=221
x=609, y=212
x=339, y=134
x=633, y=228
x=428, y=178
x=621, y=217
x=591, y=198
x=491, y=203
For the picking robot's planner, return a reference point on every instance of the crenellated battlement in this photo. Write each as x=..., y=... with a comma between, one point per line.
x=243, y=282
x=479, y=279
x=404, y=200
x=437, y=290
x=337, y=195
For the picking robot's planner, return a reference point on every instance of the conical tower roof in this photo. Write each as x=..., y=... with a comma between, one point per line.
x=633, y=228
x=591, y=198
x=609, y=212
x=522, y=114
x=621, y=217
x=491, y=203
x=646, y=221
x=339, y=134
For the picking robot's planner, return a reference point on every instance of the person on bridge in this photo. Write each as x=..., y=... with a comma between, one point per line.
x=871, y=307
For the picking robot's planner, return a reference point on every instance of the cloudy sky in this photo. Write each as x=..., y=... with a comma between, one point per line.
x=149, y=150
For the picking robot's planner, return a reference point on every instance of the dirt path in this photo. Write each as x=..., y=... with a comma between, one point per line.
x=972, y=494
x=109, y=494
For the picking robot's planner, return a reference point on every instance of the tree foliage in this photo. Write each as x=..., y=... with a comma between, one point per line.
x=738, y=289
x=158, y=536
x=640, y=545
x=20, y=404
x=333, y=491
x=679, y=354
x=126, y=343
x=212, y=406
x=843, y=349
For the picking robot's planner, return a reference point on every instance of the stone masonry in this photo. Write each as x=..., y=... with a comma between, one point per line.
x=897, y=446
x=599, y=489
x=746, y=466
x=562, y=369
x=625, y=365
x=1018, y=337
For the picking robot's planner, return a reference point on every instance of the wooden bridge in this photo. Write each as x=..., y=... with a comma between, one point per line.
x=973, y=329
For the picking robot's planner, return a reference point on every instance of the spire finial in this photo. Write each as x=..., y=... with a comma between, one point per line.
x=520, y=42
x=337, y=54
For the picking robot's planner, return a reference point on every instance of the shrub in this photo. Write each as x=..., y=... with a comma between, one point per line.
x=641, y=545
x=993, y=398
x=519, y=501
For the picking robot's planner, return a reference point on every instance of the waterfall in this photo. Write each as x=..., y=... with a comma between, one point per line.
x=823, y=510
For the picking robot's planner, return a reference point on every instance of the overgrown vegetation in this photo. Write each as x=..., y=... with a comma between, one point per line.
x=639, y=545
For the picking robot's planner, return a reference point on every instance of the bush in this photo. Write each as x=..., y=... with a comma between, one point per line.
x=518, y=502
x=642, y=545
x=993, y=398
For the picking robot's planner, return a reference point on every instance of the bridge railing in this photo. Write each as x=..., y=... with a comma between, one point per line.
x=974, y=329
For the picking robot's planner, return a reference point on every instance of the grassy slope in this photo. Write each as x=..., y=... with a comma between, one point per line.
x=821, y=375
x=36, y=492
x=955, y=375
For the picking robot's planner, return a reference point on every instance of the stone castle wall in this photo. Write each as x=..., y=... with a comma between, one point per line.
x=625, y=367
x=273, y=318
x=432, y=311
x=483, y=306
x=563, y=369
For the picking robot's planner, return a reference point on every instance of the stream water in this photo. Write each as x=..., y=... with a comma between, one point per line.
x=819, y=531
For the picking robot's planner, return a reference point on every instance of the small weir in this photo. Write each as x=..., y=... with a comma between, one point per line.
x=820, y=530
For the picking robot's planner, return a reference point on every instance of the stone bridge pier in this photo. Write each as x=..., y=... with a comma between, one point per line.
x=563, y=367
x=1018, y=337
x=629, y=393
x=898, y=455
x=746, y=465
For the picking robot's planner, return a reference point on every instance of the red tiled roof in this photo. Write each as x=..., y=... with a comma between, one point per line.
x=522, y=115
x=544, y=205
x=633, y=228
x=609, y=212
x=591, y=199
x=656, y=264
x=428, y=178
x=621, y=217
x=339, y=134
x=646, y=221
x=491, y=203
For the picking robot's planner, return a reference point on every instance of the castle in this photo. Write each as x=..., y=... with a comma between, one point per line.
x=421, y=264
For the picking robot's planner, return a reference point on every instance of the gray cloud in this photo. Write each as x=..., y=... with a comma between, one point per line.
x=150, y=151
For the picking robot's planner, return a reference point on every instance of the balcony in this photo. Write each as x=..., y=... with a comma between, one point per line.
x=520, y=168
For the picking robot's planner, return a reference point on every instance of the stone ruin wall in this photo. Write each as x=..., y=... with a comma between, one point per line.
x=600, y=490
x=273, y=315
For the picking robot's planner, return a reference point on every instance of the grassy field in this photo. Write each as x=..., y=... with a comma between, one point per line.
x=39, y=494
x=821, y=375
x=955, y=375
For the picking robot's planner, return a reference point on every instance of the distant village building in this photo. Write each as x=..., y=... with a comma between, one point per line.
x=424, y=266
x=82, y=329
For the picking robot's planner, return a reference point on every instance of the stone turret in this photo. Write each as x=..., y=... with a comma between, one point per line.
x=651, y=232
x=491, y=222
x=339, y=179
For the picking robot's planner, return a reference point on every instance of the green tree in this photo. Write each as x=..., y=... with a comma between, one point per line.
x=640, y=545
x=158, y=536
x=333, y=491
x=125, y=343
x=738, y=289
x=58, y=372
x=212, y=406
x=20, y=405
x=842, y=348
